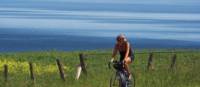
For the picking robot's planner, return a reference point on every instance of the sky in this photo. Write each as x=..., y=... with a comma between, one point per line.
x=115, y=1
x=155, y=19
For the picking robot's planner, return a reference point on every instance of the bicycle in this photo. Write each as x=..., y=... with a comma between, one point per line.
x=120, y=77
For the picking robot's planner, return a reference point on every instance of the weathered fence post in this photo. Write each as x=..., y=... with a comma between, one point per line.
x=61, y=71
x=81, y=67
x=6, y=72
x=172, y=66
x=31, y=71
x=82, y=63
x=150, y=62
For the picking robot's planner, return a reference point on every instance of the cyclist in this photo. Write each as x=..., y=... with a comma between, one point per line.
x=126, y=54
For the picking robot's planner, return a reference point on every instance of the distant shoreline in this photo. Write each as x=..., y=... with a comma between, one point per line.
x=137, y=51
x=18, y=43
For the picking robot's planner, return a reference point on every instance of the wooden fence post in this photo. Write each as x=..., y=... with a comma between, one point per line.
x=173, y=61
x=82, y=63
x=31, y=71
x=150, y=62
x=61, y=71
x=81, y=67
x=6, y=72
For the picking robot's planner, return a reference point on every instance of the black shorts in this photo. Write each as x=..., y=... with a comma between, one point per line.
x=132, y=57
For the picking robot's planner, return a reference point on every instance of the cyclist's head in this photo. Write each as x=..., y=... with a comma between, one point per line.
x=121, y=38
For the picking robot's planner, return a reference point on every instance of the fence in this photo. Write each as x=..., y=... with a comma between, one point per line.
x=81, y=67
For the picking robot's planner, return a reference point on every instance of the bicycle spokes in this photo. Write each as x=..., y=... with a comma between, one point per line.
x=115, y=81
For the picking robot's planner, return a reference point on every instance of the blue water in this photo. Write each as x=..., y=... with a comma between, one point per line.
x=93, y=24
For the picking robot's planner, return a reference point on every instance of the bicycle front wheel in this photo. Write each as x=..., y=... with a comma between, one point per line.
x=115, y=80
x=131, y=82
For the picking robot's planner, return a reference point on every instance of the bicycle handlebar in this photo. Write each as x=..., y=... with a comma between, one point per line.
x=111, y=64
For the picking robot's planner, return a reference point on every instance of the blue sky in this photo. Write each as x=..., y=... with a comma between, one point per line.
x=154, y=19
x=115, y=1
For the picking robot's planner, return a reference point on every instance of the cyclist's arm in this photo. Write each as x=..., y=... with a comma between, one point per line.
x=127, y=50
x=114, y=51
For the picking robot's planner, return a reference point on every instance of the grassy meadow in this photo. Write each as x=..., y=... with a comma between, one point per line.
x=185, y=74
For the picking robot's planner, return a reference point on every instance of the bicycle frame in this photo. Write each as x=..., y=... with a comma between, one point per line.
x=121, y=73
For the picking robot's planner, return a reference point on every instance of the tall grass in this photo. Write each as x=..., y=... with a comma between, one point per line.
x=186, y=73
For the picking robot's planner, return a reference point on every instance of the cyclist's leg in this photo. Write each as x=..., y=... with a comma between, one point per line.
x=126, y=65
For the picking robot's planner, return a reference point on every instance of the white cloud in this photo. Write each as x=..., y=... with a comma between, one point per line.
x=112, y=14
x=140, y=30
x=22, y=21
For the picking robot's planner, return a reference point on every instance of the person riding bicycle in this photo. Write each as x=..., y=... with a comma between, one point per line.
x=126, y=53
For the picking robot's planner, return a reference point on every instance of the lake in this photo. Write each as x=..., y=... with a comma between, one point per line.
x=41, y=25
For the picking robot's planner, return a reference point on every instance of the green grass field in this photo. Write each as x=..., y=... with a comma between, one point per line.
x=186, y=73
